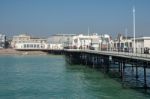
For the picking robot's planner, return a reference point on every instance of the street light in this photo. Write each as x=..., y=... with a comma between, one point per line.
x=134, y=28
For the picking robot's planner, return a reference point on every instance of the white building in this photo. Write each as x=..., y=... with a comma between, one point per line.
x=2, y=41
x=22, y=38
x=86, y=41
x=60, y=41
x=123, y=43
x=142, y=44
x=24, y=41
x=106, y=42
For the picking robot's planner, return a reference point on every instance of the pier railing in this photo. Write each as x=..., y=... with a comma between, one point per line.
x=114, y=53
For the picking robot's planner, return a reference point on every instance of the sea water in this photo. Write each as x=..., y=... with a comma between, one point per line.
x=50, y=77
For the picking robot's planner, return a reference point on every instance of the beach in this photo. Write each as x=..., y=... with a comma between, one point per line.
x=16, y=52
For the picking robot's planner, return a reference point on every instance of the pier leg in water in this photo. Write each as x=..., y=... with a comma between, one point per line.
x=136, y=73
x=93, y=59
x=123, y=73
x=145, y=80
x=120, y=69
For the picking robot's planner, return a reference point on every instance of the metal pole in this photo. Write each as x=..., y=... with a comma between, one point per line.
x=88, y=31
x=134, y=28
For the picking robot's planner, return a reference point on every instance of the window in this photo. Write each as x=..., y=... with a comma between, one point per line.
x=24, y=45
x=27, y=45
x=122, y=45
x=118, y=45
x=126, y=44
x=34, y=45
x=38, y=46
x=130, y=44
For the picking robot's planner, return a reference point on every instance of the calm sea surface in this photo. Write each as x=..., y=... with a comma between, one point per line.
x=50, y=77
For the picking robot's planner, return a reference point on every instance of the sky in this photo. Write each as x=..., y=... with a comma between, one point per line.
x=47, y=17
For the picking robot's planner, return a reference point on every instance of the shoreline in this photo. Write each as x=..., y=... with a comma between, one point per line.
x=10, y=51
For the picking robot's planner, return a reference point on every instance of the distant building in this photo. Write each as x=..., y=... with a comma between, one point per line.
x=82, y=41
x=24, y=41
x=123, y=43
x=93, y=42
x=106, y=42
x=60, y=41
x=22, y=38
x=2, y=40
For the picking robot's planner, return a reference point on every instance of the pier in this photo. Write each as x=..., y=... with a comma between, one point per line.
x=133, y=69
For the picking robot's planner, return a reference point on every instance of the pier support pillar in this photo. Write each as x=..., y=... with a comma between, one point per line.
x=136, y=71
x=123, y=73
x=145, y=80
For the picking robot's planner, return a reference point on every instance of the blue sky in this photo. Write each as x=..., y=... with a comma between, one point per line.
x=46, y=17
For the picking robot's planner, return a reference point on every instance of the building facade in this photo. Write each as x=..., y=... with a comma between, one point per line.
x=93, y=42
x=106, y=43
x=2, y=40
x=142, y=44
x=24, y=41
x=123, y=44
x=60, y=41
x=85, y=41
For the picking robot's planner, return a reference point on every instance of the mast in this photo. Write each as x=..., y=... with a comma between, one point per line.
x=88, y=31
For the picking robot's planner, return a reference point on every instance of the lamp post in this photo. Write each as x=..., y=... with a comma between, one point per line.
x=134, y=29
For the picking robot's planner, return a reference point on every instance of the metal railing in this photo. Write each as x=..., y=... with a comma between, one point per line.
x=139, y=53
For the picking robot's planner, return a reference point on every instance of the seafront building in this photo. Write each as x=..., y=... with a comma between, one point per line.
x=72, y=41
x=123, y=44
x=93, y=42
x=85, y=41
x=24, y=41
x=2, y=40
x=106, y=43
x=142, y=44
x=60, y=41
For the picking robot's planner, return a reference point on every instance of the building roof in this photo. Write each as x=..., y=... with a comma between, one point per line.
x=59, y=39
x=64, y=35
x=142, y=38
